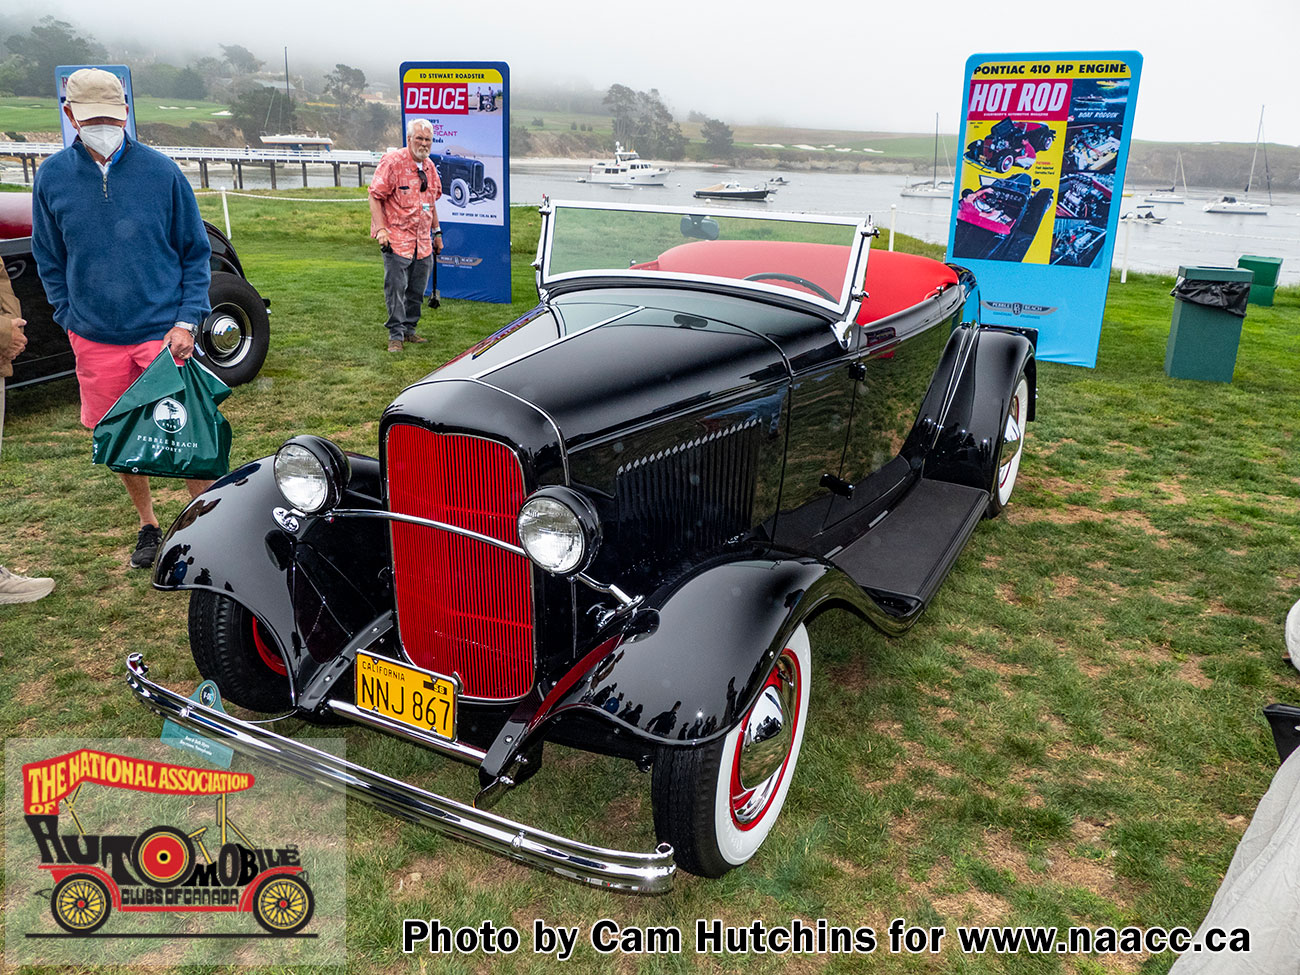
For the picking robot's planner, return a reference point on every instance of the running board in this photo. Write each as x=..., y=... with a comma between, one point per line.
x=902, y=561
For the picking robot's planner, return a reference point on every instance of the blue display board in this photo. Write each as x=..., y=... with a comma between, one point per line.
x=61, y=74
x=1036, y=204
x=468, y=105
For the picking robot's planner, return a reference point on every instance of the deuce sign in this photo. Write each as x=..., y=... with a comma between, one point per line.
x=437, y=98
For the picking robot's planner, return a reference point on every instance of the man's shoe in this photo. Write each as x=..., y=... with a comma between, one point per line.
x=23, y=589
x=394, y=345
x=146, y=547
x=416, y=339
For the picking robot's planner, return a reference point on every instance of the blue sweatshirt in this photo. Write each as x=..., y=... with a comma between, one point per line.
x=123, y=256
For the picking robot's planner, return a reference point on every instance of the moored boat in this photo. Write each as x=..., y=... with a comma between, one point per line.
x=732, y=190
x=627, y=167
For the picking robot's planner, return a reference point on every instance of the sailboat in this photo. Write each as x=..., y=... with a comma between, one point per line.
x=1246, y=207
x=1170, y=195
x=933, y=186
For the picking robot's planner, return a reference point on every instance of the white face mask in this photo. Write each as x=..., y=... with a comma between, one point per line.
x=104, y=139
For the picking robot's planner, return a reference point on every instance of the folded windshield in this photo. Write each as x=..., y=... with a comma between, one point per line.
x=811, y=258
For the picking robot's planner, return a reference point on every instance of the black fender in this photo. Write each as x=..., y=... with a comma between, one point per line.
x=965, y=449
x=312, y=588
x=686, y=667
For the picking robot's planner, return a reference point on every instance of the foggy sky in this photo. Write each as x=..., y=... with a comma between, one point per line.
x=851, y=64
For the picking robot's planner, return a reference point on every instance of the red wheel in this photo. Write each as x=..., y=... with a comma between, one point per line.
x=716, y=804
x=162, y=856
x=232, y=648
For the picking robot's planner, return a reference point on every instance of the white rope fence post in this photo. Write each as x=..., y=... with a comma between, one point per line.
x=1123, y=270
x=893, y=216
x=226, y=210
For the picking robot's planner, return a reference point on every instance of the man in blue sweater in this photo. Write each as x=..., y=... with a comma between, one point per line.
x=123, y=256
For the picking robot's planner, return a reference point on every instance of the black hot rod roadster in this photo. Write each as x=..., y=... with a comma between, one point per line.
x=607, y=525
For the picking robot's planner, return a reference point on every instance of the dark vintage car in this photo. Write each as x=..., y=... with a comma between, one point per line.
x=232, y=340
x=1011, y=143
x=608, y=524
x=462, y=179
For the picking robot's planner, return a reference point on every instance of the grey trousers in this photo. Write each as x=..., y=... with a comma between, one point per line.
x=405, y=279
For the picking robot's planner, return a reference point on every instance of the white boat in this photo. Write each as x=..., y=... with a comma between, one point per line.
x=1247, y=207
x=1143, y=214
x=732, y=191
x=934, y=186
x=627, y=167
x=1171, y=195
x=301, y=143
x=778, y=181
x=1230, y=204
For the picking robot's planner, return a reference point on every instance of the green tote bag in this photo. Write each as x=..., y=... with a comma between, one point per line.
x=167, y=424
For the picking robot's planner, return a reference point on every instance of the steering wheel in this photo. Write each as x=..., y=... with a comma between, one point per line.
x=793, y=279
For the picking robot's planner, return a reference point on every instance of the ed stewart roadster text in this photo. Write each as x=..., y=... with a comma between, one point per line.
x=608, y=524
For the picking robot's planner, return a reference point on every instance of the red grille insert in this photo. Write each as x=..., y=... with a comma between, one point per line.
x=463, y=607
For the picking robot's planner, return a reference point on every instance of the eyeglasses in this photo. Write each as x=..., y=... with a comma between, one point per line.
x=424, y=180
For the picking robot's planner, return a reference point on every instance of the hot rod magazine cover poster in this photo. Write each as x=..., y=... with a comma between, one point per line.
x=1046, y=140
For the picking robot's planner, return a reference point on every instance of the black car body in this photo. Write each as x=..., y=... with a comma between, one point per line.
x=608, y=523
x=232, y=340
x=463, y=180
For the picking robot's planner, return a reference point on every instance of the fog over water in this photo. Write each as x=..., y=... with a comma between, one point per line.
x=834, y=64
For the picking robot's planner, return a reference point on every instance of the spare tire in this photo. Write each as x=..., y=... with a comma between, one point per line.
x=234, y=338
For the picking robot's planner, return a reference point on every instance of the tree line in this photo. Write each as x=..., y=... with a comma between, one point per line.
x=258, y=103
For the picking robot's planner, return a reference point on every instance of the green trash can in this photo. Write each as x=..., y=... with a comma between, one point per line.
x=1267, y=271
x=1203, y=337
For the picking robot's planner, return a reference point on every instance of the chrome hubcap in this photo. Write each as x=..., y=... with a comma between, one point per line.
x=766, y=742
x=227, y=336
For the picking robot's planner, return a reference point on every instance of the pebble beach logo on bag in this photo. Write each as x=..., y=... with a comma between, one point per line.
x=123, y=848
x=170, y=416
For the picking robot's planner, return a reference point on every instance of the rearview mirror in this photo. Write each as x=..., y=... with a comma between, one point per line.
x=701, y=227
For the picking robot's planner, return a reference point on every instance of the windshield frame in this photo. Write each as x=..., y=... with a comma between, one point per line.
x=851, y=290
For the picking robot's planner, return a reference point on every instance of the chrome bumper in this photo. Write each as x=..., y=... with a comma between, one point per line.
x=643, y=873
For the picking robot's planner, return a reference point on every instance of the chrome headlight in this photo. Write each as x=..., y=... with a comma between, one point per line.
x=559, y=530
x=311, y=473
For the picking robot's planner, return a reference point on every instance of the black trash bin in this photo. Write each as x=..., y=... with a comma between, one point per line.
x=1209, y=304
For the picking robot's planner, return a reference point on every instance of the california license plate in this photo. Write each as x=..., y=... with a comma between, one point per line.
x=407, y=695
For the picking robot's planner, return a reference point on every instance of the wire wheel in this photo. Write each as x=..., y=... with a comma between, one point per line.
x=283, y=904
x=80, y=903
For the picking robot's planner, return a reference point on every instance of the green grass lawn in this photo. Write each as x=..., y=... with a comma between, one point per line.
x=21, y=114
x=1071, y=735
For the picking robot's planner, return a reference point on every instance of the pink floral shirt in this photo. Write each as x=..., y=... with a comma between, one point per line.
x=408, y=213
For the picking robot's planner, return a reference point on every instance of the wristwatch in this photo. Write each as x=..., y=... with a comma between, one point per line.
x=189, y=327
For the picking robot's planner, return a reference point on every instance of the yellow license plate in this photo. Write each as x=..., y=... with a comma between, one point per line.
x=407, y=694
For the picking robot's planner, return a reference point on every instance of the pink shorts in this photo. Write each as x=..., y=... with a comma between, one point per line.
x=105, y=371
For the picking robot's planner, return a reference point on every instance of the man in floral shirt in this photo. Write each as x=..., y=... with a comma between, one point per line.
x=402, y=218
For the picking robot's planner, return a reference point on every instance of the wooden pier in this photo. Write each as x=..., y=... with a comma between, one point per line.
x=32, y=153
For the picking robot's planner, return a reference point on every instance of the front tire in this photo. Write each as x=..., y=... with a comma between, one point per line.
x=489, y=188
x=459, y=192
x=235, y=337
x=233, y=649
x=80, y=903
x=713, y=819
x=1011, y=447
